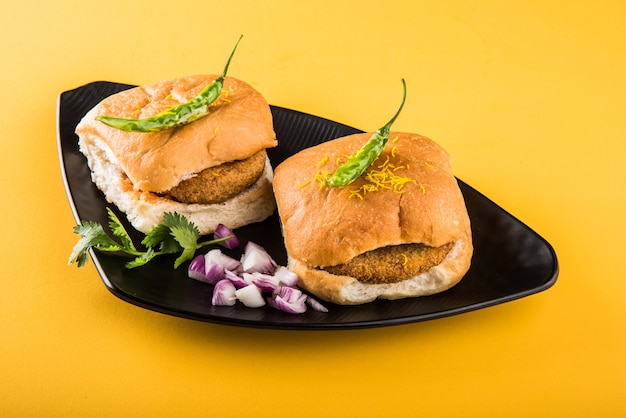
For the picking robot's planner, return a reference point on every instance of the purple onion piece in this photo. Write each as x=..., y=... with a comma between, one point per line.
x=250, y=296
x=297, y=306
x=217, y=256
x=256, y=259
x=289, y=294
x=237, y=280
x=215, y=265
x=222, y=231
x=265, y=282
x=286, y=276
x=224, y=293
x=315, y=304
x=213, y=273
x=196, y=269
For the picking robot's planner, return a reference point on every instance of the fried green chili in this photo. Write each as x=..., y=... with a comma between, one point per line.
x=194, y=109
x=364, y=157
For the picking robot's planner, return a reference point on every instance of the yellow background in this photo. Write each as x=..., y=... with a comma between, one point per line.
x=528, y=97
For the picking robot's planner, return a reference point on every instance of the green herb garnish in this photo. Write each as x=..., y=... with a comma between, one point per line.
x=174, y=235
x=364, y=157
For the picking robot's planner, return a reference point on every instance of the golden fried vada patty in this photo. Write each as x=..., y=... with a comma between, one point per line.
x=392, y=264
x=220, y=183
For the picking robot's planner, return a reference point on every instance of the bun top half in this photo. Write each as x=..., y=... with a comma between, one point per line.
x=239, y=125
x=328, y=226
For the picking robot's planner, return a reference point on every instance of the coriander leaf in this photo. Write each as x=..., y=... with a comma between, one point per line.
x=161, y=237
x=175, y=219
x=183, y=231
x=185, y=236
x=170, y=245
x=156, y=235
x=187, y=255
x=119, y=231
x=93, y=235
x=141, y=260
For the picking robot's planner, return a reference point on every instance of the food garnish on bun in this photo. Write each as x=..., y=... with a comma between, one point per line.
x=399, y=229
x=193, y=145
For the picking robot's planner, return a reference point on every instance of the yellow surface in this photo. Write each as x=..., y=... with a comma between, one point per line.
x=528, y=97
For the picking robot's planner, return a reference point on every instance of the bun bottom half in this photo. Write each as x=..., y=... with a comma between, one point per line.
x=345, y=290
x=145, y=210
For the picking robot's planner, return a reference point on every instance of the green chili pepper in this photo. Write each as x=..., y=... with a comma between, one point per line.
x=194, y=109
x=363, y=158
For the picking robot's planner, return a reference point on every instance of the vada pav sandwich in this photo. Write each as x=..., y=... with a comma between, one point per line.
x=194, y=145
x=388, y=221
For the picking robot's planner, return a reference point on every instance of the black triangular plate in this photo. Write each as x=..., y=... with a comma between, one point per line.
x=510, y=260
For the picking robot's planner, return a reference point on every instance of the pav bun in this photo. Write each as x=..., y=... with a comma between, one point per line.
x=136, y=171
x=416, y=210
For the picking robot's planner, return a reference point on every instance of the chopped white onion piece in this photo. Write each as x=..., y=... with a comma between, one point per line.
x=286, y=276
x=224, y=293
x=256, y=259
x=247, y=277
x=250, y=296
x=222, y=231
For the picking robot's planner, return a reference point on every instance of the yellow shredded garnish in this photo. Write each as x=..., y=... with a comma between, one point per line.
x=320, y=177
x=393, y=151
x=224, y=95
x=429, y=165
x=394, y=140
x=423, y=188
x=217, y=128
x=369, y=188
x=380, y=177
x=322, y=161
x=406, y=259
x=355, y=193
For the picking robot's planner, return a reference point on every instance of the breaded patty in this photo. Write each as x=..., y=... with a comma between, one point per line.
x=392, y=264
x=220, y=183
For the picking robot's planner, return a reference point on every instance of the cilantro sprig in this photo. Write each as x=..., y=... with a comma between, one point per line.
x=176, y=234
